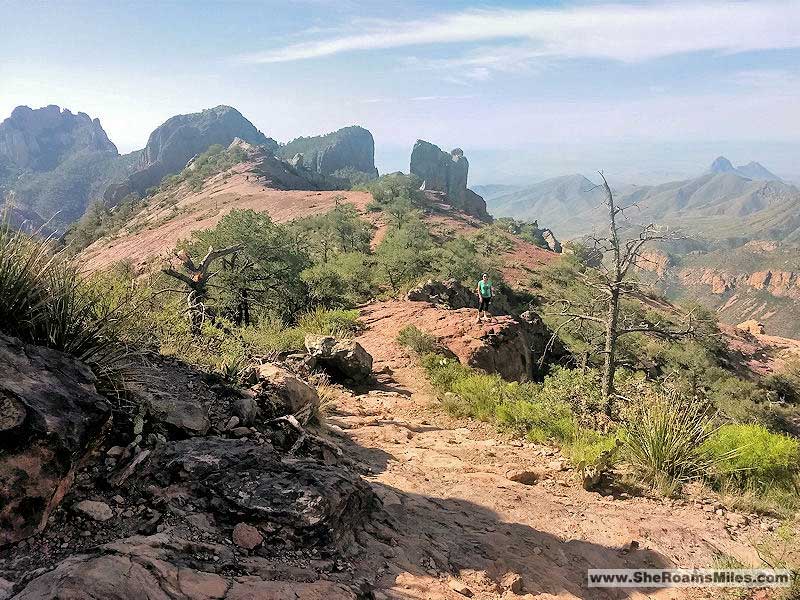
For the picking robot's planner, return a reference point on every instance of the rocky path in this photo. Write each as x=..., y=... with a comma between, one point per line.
x=455, y=524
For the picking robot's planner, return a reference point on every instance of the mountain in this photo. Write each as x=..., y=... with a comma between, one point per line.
x=721, y=165
x=345, y=153
x=490, y=191
x=755, y=170
x=751, y=170
x=719, y=204
x=558, y=202
x=172, y=144
x=53, y=163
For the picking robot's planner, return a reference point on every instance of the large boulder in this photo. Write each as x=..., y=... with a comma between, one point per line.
x=171, y=145
x=50, y=416
x=343, y=359
x=443, y=172
x=280, y=392
x=296, y=500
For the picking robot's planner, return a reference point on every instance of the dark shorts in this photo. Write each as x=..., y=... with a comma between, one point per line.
x=485, y=302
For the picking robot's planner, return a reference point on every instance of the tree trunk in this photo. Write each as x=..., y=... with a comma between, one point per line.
x=609, y=364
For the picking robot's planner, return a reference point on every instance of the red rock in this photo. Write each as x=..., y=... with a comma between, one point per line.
x=246, y=536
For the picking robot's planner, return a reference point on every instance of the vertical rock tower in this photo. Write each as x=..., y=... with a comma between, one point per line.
x=447, y=173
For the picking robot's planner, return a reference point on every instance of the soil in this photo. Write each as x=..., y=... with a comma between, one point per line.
x=453, y=518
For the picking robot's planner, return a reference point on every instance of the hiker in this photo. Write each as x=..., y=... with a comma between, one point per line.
x=485, y=293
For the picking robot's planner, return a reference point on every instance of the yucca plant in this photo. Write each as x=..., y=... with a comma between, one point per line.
x=664, y=437
x=44, y=300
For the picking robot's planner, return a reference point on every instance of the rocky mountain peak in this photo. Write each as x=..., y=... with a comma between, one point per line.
x=40, y=139
x=721, y=165
x=334, y=154
x=172, y=144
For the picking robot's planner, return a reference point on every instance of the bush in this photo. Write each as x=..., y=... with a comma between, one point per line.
x=419, y=341
x=663, y=439
x=537, y=420
x=752, y=458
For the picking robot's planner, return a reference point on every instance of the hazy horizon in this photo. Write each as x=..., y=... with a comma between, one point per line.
x=647, y=91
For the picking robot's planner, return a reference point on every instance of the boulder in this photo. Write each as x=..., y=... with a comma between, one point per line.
x=96, y=511
x=343, y=359
x=297, y=500
x=443, y=172
x=279, y=392
x=52, y=415
x=449, y=294
x=180, y=416
x=751, y=326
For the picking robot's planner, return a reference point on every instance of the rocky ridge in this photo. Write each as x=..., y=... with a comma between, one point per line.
x=171, y=145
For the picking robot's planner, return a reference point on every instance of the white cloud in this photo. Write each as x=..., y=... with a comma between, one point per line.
x=627, y=33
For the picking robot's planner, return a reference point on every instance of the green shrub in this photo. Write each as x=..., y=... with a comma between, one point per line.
x=338, y=322
x=663, y=439
x=537, y=420
x=751, y=457
x=444, y=372
x=419, y=341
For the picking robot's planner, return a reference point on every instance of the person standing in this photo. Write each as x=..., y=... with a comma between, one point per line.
x=485, y=291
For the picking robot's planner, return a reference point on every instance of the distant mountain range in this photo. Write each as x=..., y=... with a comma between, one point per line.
x=722, y=203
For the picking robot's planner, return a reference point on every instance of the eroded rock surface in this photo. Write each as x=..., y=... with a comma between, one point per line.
x=52, y=416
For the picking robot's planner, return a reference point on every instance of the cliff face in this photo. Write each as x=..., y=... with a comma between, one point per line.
x=443, y=172
x=39, y=140
x=53, y=163
x=336, y=154
x=181, y=137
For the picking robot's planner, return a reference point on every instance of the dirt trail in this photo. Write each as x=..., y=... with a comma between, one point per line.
x=452, y=516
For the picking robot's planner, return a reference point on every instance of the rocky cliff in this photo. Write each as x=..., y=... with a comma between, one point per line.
x=39, y=140
x=180, y=138
x=344, y=153
x=443, y=172
x=53, y=163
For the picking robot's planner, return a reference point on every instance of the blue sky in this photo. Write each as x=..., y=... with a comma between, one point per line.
x=645, y=90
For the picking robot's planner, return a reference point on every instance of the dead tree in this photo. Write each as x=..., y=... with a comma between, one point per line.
x=196, y=279
x=609, y=283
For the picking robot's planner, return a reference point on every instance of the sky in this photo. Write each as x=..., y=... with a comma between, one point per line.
x=646, y=91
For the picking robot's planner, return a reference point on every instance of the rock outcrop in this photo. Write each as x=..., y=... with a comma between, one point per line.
x=343, y=154
x=50, y=415
x=511, y=346
x=453, y=294
x=751, y=326
x=443, y=172
x=344, y=359
x=39, y=140
x=53, y=163
x=160, y=567
x=299, y=502
x=180, y=138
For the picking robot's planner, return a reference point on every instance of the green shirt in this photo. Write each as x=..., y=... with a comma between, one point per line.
x=485, y=288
